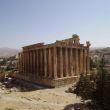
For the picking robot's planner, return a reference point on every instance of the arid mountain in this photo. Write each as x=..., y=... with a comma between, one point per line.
x=7, y=52
x=96, y=48
x=100, y=49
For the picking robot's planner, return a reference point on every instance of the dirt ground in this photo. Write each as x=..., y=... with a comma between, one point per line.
x=42, y=99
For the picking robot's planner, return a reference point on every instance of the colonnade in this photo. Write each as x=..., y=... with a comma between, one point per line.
x=54, y=62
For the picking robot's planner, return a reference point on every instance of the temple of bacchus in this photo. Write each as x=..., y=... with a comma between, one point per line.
x=55, y=64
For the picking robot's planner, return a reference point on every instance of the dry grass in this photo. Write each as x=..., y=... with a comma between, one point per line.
x=43, y=99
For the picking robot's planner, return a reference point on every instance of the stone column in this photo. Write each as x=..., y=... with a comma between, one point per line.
x=41, y=62
x=24, y=58
x=81, y=60
x=66, y=61
x=26, y=62
x=71, y=61
x=18, y=62
x=28, y=65
x=50, y=63
x=61, y=63
x=37, y=63
x=74, y=60
x=77, y=63
x=85, y=53
x=30, y=62
x=88, y=62
x=45, y=62
x=34, y=64
x=23, y=62
x=55, y=62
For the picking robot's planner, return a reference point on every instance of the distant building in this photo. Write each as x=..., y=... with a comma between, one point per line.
x=54, y=64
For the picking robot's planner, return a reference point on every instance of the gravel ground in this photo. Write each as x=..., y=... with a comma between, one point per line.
x=15, y=98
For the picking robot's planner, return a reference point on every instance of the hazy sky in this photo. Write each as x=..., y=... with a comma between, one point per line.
x=24, y=22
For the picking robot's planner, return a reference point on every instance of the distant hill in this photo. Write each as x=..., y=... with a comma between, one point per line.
x=100, y=50
x=96, y=48
x=7, y=52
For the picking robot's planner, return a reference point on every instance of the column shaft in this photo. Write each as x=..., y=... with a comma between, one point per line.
x=28, y=63
x=37, y=63
x=19, y=62
x=76, y=57
x=81, y=60
x=34, y=64
x=71, y=61
x=41, y=62
x=61, y=63
x=74, y=60
x=55, y=62
x=45, y=62
x=50, y=63
x=23, y=62
x=88, y=62
x=31, y=62
x=66, y=61
x=85, y=53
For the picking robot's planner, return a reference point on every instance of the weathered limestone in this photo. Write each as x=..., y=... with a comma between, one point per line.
x=54, y=64
x=37, y=63
x=81, y=60
x=50, y=63
x=61, y=62
x=76, y=61
x=45, y=62
x=85, y=60
x=71, y=62
x=41, y=62
x=33, y=64
x=66, y=61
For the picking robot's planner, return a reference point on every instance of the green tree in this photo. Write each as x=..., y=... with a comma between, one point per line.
x=85, y=87
x=96, y=90
x=102, y=95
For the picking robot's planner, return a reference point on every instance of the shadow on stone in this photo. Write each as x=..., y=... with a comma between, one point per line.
x=19, y=85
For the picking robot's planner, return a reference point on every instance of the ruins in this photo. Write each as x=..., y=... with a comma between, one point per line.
x=55, y=64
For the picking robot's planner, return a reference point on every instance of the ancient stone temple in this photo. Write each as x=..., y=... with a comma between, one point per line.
x=55, y=64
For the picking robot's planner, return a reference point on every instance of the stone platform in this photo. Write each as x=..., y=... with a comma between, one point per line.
x=50, y=82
